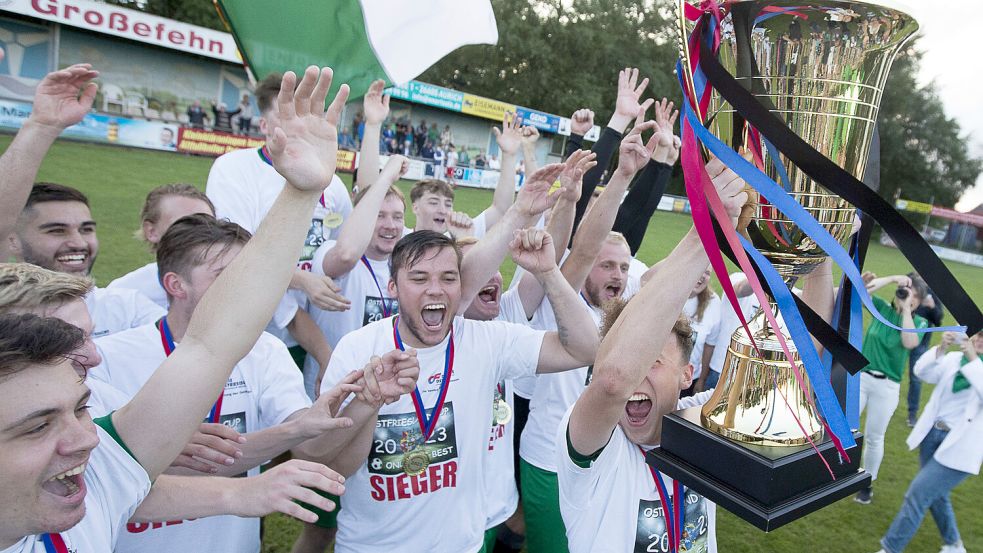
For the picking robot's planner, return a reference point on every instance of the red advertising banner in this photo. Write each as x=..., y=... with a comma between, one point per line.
x=953, y=215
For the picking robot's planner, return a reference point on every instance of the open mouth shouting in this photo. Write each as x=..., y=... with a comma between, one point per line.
x=433, y=316
x=611, y=290
x=68, y=486
x=488, y=296
x=637, y=409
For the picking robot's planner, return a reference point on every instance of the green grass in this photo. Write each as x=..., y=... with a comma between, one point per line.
x=117, y=180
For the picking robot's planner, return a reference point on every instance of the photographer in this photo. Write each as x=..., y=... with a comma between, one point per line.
x=887, y=350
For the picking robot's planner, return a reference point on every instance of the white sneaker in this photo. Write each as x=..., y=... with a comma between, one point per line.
x=954, y=548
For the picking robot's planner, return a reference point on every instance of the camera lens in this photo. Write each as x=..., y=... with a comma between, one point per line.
x=901, y=293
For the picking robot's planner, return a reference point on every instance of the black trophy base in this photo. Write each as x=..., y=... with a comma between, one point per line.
x=766, y=486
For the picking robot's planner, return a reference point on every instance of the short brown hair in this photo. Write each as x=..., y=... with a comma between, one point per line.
x=28, y=287
x=267, y=91
x=190, y=239
x=27, y=339
x=412, y=247
x=682, y=329
x=43, y=192
x=437, y=187
x=151, y=206
x=393, y=191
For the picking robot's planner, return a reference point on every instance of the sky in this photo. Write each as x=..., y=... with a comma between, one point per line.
x=950, y=40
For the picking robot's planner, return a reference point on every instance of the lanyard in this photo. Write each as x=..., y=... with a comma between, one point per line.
x=264, y=154
x=386, y=311
x=427, y=424
x=54, y=543
x=167, y=341
x=673, y=509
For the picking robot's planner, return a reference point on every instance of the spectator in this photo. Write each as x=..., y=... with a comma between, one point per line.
x=440, y=170
x=451, y=161
x=420, y=137
x=245, y=115
x=493, y=163
x=480, y=161
x=446, y=137
x=433, y=135
x=463, y=159
x=932, y=311
x=197, y=115
x=427, y=151
x=345, y=141
x=356, y=125
x=223, y=117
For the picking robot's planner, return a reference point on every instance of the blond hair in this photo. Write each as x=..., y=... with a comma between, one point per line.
x=682, y=329
x=615, y=237
x=26, y=287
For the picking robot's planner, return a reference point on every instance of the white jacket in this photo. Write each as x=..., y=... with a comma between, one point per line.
x=962, y=449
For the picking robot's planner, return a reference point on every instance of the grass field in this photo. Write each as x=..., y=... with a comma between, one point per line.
x=117, y=179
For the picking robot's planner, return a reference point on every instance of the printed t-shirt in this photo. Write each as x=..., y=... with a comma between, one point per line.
x=243, y=187
x=115, y=484
x=113, y=310
x=262, y=391
x=707, y=329
x=502, y=496
x=613, y=506
x=485, y=352
x=367, y=290
x=882, y=344
x=144, y=280
x=729, y=323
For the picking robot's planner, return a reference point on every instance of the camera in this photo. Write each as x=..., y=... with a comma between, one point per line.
x=901, y=293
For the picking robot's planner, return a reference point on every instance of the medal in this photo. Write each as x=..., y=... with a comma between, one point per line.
x=167, y=342
x=502, y=412
x=332, y=220
x=415, y=461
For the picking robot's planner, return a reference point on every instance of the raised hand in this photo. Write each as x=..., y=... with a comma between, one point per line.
x=582, y=121
x=530, y=135
x=532, y=249
x=534, y=197
x=629, y=93
x=63, y=97
x=280, y=488
x=460, y=224
x=304, y=146
x=509, y=137
x=665, y=121
x=375, y=104
x=571, y=179
x=634, y=152
x=213, y=444
x=395, y=168
x=730, y=188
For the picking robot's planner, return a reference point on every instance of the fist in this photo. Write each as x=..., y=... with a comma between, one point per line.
x=532, y=249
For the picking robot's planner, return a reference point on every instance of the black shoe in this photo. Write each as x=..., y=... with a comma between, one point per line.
x=864, y=496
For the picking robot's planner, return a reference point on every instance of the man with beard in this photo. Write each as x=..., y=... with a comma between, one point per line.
x=56, y=231
x=598, y=267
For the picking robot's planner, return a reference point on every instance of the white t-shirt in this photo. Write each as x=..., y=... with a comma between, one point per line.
x=262, y=391
x=452, y=487
x=501, y=495
x=636, y=269
x=614, y=505
x=369, y=297
x=119, y=309
x=243, y=187
x=104, y=398
x=116, y=485
x=729, y=323
x=145, y=281
x=706, y=329
x=555, y=393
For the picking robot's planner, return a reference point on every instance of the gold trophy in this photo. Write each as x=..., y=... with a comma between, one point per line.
x=820, y=67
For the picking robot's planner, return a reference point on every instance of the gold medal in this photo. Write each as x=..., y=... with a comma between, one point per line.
x=332, y=220
x=502, y=412
x=415, y=461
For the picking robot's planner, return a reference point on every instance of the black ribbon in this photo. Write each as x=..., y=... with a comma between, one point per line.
x=836, y=180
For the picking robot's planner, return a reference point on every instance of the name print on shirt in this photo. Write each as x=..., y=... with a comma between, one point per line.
x=395, y=434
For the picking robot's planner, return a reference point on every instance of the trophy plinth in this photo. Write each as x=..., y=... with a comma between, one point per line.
x=768, y=486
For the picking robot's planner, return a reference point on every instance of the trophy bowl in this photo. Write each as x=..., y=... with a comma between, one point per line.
x=821, y=68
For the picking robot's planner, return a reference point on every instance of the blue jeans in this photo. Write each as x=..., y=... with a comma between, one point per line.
x=712, y=379
x=929, y=490
x=914, y=384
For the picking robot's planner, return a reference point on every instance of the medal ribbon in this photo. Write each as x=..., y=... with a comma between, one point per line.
x=673, y=508
x=264, y=154
x=167, y=341
x=54, y=543
x=427, y=424
x=385, y=304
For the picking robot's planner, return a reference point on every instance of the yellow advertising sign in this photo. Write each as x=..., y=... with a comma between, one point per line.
x=913, y=206
x=346, y=161
x=485, y=107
